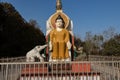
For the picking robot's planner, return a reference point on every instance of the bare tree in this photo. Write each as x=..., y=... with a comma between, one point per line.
x=88, y=43
x=110, y=33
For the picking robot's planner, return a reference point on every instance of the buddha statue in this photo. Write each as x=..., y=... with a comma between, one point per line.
x=59, y=45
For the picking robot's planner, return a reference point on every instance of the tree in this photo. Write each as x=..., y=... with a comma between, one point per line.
x=108, y=34
x=77, y=42
x=88, y=46
x=17, y=36
x=97, y=41
x=112, y=46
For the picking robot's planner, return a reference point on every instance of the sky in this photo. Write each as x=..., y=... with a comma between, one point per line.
x=93, y=16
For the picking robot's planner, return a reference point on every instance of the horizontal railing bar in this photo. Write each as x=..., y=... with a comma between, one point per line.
x=60, y=62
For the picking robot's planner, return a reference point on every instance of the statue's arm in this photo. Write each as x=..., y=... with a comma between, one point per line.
x=67, y=40
x=69, y=45
x=67, y=36
x=51, y=40
x=50, y=46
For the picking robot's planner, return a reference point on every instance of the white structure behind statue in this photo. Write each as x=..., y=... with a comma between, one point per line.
x=35, y=52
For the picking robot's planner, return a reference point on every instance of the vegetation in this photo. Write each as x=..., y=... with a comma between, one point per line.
x=16, y=35
x=112, y=46
x=107, y=44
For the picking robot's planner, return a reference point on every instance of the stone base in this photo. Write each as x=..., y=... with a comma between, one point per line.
x=56, y=67
x=66, y=66
x=81, y=67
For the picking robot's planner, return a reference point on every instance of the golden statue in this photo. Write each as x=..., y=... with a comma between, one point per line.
x=59, y=41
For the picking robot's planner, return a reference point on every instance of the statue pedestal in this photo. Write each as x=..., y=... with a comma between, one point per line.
x=34, y=69
x=45, y=68
x=63, y=66
x=81, y=67
x=56, y=69
x=64, y=71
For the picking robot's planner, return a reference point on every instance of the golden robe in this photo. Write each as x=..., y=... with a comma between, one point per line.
x=59, y=41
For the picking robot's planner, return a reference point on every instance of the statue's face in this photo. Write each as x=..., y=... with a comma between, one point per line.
x=59, y=23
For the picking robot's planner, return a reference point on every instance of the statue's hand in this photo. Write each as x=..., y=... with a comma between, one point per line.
x=50, y=46
x=69, y=45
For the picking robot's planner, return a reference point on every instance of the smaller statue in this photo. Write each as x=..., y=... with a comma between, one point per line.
x=30, y=56
x=79, y=54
